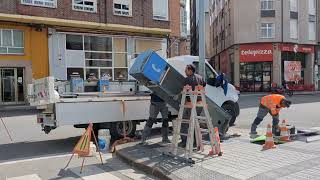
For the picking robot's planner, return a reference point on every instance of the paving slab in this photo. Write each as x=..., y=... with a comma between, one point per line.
x=240, y=160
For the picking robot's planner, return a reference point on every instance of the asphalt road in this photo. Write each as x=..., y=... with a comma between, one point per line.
x=304, y=112
x=36, y=153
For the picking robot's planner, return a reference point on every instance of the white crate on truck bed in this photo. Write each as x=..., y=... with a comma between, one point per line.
x=42, y=92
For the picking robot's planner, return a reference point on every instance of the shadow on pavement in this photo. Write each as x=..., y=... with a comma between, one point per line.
x=26, y=150
x=65, y=174
x=12, y=113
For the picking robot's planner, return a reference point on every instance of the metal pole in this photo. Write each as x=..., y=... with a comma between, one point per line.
x=201, y=39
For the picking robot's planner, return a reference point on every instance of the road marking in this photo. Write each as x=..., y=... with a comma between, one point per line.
x=33, y=159
x=26, y=177
x=92, y=172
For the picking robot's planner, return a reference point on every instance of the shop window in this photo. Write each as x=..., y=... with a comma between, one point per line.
x=96, y=43
x=74, y=42
x=160, y=10
x=266, y=4
x=122, y=7
x=293, y=28
x=11, y=41
x=92, y=71
x=121, y=74
x=142, y=45
x=267, y=30
x=70, y=71
x=84, y=5
x=255, y=77
x=103, y=55
x=41, y=3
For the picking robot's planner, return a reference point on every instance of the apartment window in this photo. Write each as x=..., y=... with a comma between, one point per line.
x=85, y=5
x=312, y=7
x=11, y=41
x=312, y=31
x=293, y=28
x=266, y=4
x=294, y=5
x=160, y=10
x=267, y=30
x=42, y=3
x=122, y=7
x=183, y=21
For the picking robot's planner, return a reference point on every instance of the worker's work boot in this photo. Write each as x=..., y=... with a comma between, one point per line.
x=253, y=133
x=165, y=134
x=276, y=130
x=145, y=135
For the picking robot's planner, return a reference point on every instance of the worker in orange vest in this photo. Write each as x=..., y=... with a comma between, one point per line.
x=272, y=104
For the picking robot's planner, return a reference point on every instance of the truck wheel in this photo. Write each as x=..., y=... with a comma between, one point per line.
x=116, y=129
x=229, y=108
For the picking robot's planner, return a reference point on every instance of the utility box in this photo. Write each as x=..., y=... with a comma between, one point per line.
x=166, y=82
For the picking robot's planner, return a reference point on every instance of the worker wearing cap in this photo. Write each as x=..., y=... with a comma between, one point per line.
x=157, y=105
x=272, y=104
x=192, y=80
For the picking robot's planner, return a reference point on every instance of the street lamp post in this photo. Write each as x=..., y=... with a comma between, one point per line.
x=201, y=31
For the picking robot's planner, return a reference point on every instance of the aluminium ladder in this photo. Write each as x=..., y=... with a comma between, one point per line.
x=194, y=122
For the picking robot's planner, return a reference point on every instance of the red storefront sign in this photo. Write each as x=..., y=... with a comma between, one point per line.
x=296, y=48
x=256, y=53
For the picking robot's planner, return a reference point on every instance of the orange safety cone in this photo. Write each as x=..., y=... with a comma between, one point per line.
x=216, y=150
x=284, y=132
x=269, y=143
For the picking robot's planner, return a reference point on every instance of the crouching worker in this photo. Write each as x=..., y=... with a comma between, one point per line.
x=272, y=104
x=157, y=105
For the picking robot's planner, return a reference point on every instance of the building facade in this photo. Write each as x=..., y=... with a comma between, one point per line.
x=42, y=38
x=179, y=42
x=261, y=42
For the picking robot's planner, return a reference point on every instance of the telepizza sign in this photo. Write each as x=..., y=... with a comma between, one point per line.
x=256, y=53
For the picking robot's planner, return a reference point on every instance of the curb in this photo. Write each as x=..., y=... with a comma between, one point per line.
x=16, y=107
x=145, y=168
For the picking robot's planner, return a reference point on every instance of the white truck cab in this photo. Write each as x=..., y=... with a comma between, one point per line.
x=228, y=102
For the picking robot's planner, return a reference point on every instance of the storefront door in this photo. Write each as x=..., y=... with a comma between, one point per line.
x=11, y=86
x=255, y=77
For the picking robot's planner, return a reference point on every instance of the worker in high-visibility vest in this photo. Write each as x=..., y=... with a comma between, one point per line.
x=272, y=104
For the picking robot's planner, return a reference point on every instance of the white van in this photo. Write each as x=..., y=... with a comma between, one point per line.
x=228, y=102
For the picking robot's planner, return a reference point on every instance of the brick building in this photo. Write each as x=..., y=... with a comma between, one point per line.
x=260, y=42
x=179, y=42
x=58, y=37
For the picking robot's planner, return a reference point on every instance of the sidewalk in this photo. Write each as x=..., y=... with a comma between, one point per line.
x=241, y=160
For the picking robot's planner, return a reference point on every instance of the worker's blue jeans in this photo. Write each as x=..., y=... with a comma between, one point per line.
x=263, y=112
